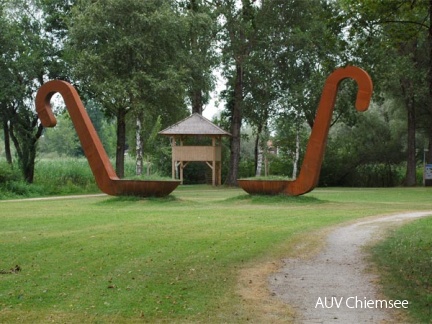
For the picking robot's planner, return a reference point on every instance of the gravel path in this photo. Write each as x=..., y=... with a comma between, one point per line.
x=334, y=286
x=55, y=198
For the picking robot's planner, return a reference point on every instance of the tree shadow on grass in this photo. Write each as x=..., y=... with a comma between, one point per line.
x=129, y=199
x=276, y=199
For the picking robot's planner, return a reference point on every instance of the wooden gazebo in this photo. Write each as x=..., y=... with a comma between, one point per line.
x=196, y=126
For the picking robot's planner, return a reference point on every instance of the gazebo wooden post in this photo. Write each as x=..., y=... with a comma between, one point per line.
x=214, y=161
x=220, y=163
x=173, y=161
x=181, y=163
x=181, y=172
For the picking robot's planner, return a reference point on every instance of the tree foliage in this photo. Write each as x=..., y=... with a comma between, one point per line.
x=26, y=60
x=200, y=45
x=129, y=65
x=394, y=39
x=145, y=62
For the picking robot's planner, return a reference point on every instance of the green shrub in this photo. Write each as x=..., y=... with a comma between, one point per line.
x=8, y=173
x=11, y=183
x=22, y=189
x=246, y=168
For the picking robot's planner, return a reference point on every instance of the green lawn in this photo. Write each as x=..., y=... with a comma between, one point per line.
x=404, y=261
x=177, y=259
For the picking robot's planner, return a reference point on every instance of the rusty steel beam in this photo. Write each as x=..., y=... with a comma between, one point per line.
x=105, y=176
x=312, y=162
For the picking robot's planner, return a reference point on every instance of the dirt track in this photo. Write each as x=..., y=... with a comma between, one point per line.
x=333, y=286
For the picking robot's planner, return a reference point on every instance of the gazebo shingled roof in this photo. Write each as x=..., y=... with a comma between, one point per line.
x=195, y=124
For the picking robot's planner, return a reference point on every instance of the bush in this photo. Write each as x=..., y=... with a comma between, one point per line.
x=246, y=168
x=8, y=173
x=12, y=185
x=375, y=175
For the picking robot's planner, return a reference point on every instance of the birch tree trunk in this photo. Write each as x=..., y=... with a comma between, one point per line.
x=7, y=146
x=260, y=154
x=296, y=155
x=139, y=147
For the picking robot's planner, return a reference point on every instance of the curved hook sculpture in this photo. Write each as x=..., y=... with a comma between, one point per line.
x=105, y=176
x=311, y=167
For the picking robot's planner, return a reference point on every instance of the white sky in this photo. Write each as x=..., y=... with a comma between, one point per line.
x=215, y=105
x=213, y=108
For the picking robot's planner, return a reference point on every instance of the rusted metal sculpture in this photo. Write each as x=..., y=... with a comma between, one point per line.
x=311, y=167
x=105, y=176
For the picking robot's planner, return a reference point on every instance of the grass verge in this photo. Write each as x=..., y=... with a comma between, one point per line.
x=177, y=259
x=404, y=261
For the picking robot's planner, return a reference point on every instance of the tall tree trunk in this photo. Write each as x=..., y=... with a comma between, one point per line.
x=29, y=162
x=196, y=95
x=197, y=101
x=121, y=142
x=235, y=128
x=25, y=143
x=410, y=179
x=31, y=151
x=429, y=153
x=241, y=49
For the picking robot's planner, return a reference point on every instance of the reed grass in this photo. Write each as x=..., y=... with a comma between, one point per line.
x=59, y=176
x=62, y=176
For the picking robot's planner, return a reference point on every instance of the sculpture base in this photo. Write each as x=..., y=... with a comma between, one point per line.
x=144, y=188
x=263, y=187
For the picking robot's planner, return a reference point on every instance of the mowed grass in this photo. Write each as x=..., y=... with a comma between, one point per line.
x=404, y=261
x=175, y=259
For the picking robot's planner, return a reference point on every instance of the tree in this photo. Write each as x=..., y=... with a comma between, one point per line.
x=25, y=62
x=200, y=44
x=4, y=85
x=129, y=65
x=395, y=39
x=271, y=52
x=238, y=40
x=260, y=98
x=368, y=152
x=63, y=138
